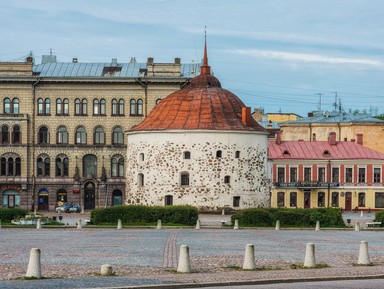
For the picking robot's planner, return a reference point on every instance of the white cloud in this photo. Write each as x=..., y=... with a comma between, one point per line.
x=306, y=57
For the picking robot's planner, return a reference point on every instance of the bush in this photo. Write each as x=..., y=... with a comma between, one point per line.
x=184, y=215
x=9, y=214
x=328, y=217
x=379, y=217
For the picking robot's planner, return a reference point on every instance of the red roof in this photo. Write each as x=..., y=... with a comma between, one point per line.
x=203, y=104
x=321, y=150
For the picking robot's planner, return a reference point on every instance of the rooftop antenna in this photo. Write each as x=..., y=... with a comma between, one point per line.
x=335, y=103
x=340, y=107
x=319, y=94
x=50, y=51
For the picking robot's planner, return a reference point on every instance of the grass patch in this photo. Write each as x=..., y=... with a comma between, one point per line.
x=262, y=268
x=318, y=266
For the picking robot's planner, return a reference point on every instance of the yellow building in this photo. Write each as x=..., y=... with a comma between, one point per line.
x=63, y=124
x=313, y=174
x=346, y=126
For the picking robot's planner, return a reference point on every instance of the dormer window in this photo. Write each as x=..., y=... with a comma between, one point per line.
x=326, y=153
x=286, y=153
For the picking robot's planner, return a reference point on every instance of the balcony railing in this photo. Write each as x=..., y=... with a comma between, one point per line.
x=303, y=184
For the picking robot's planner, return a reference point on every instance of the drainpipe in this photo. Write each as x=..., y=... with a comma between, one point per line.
x=33, y=161
x=329, y=181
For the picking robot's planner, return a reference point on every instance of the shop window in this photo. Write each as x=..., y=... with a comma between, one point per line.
x=293, y=199
x=281, y=199
x=335, y=199
x=321, y=199
x=361, y=202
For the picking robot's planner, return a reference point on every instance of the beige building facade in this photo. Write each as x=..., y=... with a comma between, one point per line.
x=63, y=127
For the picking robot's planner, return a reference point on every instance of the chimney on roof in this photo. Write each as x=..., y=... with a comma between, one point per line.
x=332, y=138
x=359, y=138
x=353, y=140
x=114, y=62
x=345, y=139
x=150, y=60
x=246, y=117
x=278, y=137
x=177, y=60
x=74, y=60
x=133, y=60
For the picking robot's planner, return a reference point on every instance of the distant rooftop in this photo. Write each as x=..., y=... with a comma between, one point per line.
x=335, y=117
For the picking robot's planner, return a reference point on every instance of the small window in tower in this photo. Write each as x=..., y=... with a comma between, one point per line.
x=187, y=155
x=141, y=157
x=219, y=154
x=184, y=179
x=237, y=154
x=140, y=180
x=236, y=201
x=227, y=180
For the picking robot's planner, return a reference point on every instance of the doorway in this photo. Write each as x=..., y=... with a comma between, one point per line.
x=43, y=200
x=348, y=201
x=89, y=196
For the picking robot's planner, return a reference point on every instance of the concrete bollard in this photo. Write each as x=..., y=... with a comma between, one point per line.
x=249, y=258
x=184, y=265
x=222, y=212
x=79, y=225
x=198, y=225
x=119, y=224
x=357, y=227
x=310, y=260
x=363, y=254
x=277, y=228
x=236, y=226
x=317, y=226
x=38, y=224
x=106, y=270
x=34, y=265
x=159, y=225
x=361, y=213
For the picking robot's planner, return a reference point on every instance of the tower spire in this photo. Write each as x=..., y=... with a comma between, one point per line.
x=205, y=68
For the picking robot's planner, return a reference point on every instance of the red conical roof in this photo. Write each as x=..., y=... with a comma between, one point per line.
x=202, y=104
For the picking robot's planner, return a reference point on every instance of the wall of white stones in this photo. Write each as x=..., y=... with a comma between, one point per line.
x=158, y=157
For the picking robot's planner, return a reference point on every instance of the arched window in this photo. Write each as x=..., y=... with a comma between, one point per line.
x=96, y=106
x=66, y=106
x=4, y=134
x=140, y=180
x=61, y=166
x=141, y=157
x=89, y=165
x=293, y=199
x=219, y=154
x=7, y=105
x=84, y=107
x=115, y=107
x=121, y=107
x=16, y=135
x=10, y=166
x=280, y=199
x=99, y=136
x=158, y=101
x=62, y=135
x=117, y=166
x=43, y=135
x=184, y=179
x=227, y=180
x=59, y=106
x=40, y=106
x=77, y=106
x=102, y=106
x=47, y=104
x=81, y=136
x=15, y=107
x=186, y=155
x=133, y=107
x=139, y=107
x=43, y=166
x=118, y=137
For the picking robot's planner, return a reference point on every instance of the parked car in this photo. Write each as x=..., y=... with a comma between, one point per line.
x=68, y=208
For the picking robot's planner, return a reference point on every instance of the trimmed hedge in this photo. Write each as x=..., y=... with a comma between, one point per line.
x=379, y=217
x=263, y=217
x=9, y=214
x=184, y=215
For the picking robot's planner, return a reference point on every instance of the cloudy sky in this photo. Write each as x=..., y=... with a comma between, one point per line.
x=281, y=55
